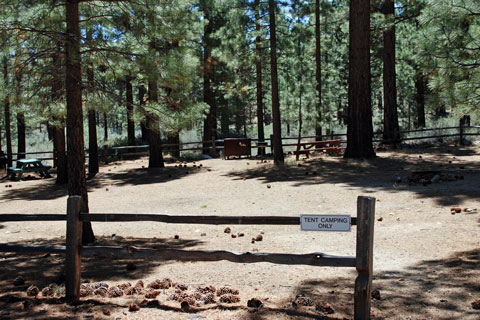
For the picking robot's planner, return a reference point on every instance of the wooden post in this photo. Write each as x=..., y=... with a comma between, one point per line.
x=364, y=257
x=72, y=255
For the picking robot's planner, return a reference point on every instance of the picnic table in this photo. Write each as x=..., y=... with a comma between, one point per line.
x=28, y=165
x=329, y=146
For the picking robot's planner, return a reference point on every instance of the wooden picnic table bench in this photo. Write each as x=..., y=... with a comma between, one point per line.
x=28, y=165
x=329, y=146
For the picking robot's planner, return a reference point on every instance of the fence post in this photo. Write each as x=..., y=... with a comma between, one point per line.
x=364, y=257
x=74, y=241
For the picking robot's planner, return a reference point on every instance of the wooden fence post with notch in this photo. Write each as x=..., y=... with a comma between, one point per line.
x=364, y=257
x=72, y=254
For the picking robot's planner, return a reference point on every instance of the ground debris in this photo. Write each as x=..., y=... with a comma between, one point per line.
x=324, y=308
x=32, y=291
x=476, y=304
x=254, y=303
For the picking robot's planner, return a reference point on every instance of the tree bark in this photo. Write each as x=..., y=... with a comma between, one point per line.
x=77, y=183
x=318, y=73
x=153, y=126
x=258, y=72
x=143, y=124
x=129, y=102
x=6, y=105
x=391, y=130
x=93, y=166
x=278, y=157
x=174, y=138
x=21, y=128
x=360, y=127
x=210, y=122
x=105, y=127
x=58, y=128
x=420, y=99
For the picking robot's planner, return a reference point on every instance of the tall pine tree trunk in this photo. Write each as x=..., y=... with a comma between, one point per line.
x=77, y=182
x=93, y=166
x=58, y=128
x=129, y=102
x=391, y=130
x=21, y=128
x=420, y=100
x=143, y=124
x=278, y=157
x=210, y=122
x=360, y=128
x=258, y=73
x=318, y=73
x=6, y=106
x=153, y=125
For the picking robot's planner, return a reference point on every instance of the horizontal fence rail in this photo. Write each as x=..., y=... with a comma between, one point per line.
x=312, y=259
x=73, y=250
x=178, y=219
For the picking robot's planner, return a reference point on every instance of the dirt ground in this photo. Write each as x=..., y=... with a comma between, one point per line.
x=426, y=260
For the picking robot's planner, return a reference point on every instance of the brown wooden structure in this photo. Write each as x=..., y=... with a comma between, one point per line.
x=363, y=261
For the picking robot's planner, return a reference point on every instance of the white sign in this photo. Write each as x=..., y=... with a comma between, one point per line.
x=337, y=223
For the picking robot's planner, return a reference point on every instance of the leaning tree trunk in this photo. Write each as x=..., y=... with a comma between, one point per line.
x=360, y=128
x=278, y=157
x=391, y=130
x=6, y=105
x=318, y=73
x=258, y=73
x=155, y=159
x=77, y=182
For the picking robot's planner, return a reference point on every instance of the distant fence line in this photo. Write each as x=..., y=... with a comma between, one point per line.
x=216, y=144
x=73, y=249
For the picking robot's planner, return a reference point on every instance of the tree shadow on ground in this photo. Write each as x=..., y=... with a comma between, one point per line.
x=49, y=190
x=43, y=269
x=435, y=289
x=381, y=173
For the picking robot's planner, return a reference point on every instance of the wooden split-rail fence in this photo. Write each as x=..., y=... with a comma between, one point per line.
x=73, y=250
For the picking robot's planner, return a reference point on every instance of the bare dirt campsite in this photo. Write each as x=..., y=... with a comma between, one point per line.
x=426, y=255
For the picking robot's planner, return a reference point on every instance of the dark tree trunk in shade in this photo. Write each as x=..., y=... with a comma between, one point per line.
x=258, y=72
x=420, y=100
x=21, y=135
x=360, y=127
x=155, y=159
x=141, y=98
x=318, y=73
x=77, y=182
x=105, y=127
x=129, y=102
x=174, y=138
x=391, y=130
x=92, y=130
x=58, y=128
x=278, y=157
x=6, y=106
x=21, y=128
x=210, y=122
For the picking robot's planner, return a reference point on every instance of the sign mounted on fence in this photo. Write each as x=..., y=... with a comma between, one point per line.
x=336, y=223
